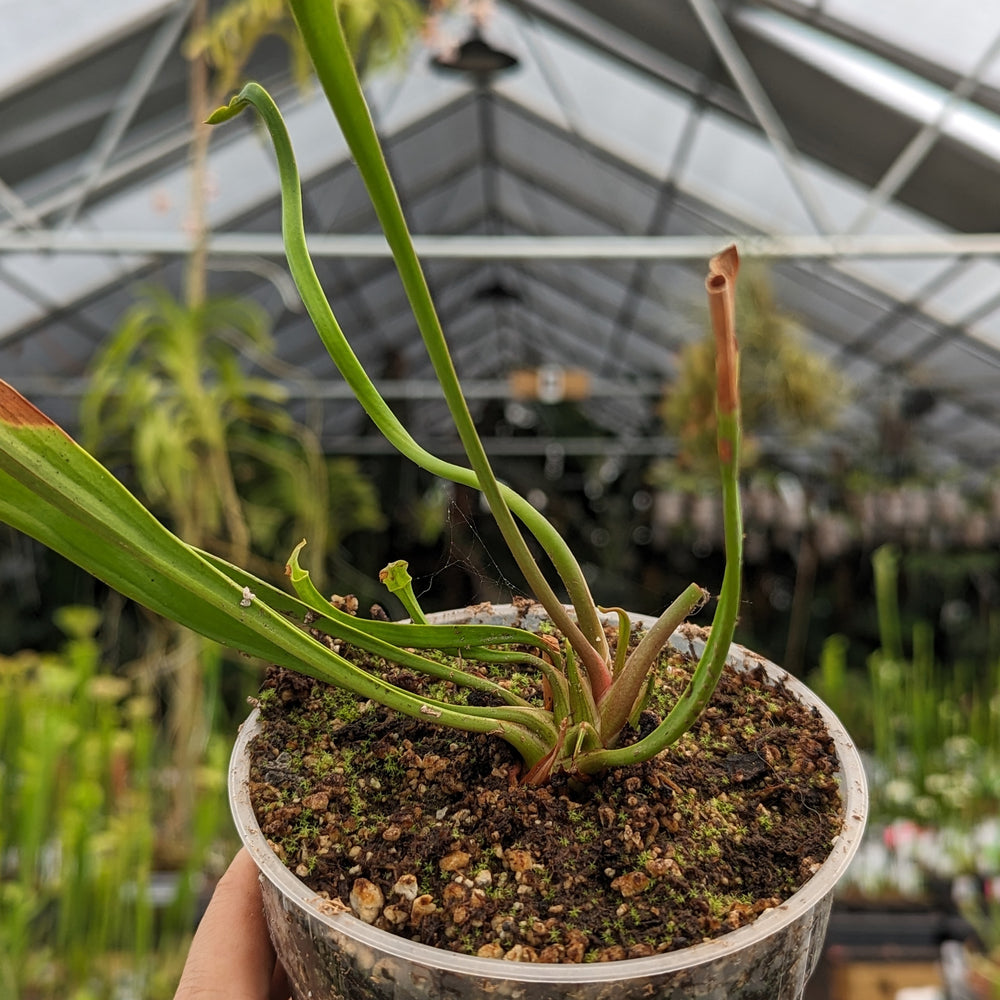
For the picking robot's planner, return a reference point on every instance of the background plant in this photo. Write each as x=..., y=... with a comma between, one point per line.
x=83, y=912
x=213, y=450
x=933, y=726
x=95, y=799
x=927, y=714
x=172, y=404
x=979, y=905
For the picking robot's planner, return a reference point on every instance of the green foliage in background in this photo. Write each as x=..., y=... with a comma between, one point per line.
x=378, y=31
x=933, y=727
x=210, y=445
x=82, y=772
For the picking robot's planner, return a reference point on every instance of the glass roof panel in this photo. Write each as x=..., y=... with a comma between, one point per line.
x=876, y=77
x=553, y=172
x=977, y=285
x=62, y=277
x=955, y=364
x=450, y=207
x=899, y=277
x=40, y=36
x=951, y=33
x=612, y=105
x=735, y=169
x=584, y=139
x=987, y=330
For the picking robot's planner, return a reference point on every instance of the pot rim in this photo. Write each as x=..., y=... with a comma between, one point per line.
x=854, y=791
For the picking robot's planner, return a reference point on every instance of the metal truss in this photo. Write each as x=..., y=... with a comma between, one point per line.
x=56, y=224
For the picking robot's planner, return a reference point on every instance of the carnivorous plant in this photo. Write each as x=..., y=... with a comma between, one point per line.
x=53, y=490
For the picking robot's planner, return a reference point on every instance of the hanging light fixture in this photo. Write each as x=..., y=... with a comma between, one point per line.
x=475, y=55
x=497, y=292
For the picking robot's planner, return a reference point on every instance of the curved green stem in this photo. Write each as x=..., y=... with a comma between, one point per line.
x=588, y=636
x=582, y=704
x=557, y=682
x=624, y=637
x=451, y=638
x=324, y=39
x=357, y=632
x=710, y=664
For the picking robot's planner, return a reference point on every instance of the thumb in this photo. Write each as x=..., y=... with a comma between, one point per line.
x=231, y=957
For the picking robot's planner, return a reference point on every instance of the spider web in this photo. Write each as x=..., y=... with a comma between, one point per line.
x=466, y=548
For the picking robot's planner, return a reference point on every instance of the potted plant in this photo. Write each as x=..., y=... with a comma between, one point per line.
x=561, y=698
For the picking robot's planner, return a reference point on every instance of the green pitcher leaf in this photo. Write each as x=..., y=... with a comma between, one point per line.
x=53, y=490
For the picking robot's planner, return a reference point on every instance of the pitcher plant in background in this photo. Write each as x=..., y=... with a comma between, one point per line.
x=55, y=491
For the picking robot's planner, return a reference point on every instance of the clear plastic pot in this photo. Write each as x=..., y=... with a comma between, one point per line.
x=332, y=955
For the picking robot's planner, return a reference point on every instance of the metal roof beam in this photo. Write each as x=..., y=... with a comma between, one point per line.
x=18, y=209
x=760, y=105
x=129, y=101
x=921, y=144
x=807, y=246
x=395, y=389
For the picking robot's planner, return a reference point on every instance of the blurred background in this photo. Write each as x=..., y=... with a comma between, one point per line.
x=568, y=167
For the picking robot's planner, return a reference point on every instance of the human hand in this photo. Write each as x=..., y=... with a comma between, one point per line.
x=231, y=957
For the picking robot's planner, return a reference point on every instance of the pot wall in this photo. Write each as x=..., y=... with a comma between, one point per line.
x=330, y=955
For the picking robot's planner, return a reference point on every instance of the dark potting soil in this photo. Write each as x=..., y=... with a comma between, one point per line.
x=428, y=832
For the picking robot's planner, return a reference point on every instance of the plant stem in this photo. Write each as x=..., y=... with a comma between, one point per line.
x=720, y=285
x=885, y=564
x=324, y=38
x=588, y=637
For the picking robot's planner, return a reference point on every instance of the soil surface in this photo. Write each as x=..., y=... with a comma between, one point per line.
x=428, y=833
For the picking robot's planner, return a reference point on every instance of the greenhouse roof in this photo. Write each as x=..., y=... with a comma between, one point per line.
x=565, y=208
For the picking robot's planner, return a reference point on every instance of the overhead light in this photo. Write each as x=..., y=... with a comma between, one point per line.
x=549, y=384
x=475, y=55
x=495, y=292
